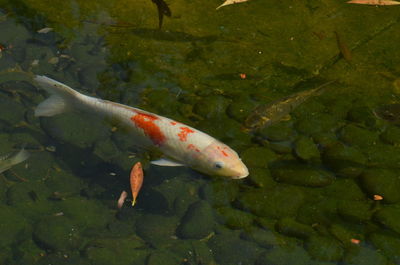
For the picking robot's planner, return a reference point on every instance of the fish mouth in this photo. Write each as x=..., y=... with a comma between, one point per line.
x=244, y=173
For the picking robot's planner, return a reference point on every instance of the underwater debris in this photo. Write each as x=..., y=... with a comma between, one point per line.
x=136, y=180
x=231, y=2
x=10, y=160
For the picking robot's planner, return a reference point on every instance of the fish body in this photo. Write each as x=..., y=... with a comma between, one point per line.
x=268, y=114
x=10, y=160
x=180, y=143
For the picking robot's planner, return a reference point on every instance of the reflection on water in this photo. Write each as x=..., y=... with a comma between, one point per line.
x=323, y=184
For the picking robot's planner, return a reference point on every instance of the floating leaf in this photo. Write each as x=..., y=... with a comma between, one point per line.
x=374, y=2
x=231, y=2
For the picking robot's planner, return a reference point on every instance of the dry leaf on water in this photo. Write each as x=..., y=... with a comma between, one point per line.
x=374, y=2
x=231, y=2
x=136, y=180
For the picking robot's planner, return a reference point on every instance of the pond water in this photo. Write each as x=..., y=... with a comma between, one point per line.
x=324, y=167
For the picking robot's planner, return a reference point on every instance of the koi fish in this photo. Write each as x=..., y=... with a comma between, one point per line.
x=136, y=180
x=9, y=160
x=181, y=144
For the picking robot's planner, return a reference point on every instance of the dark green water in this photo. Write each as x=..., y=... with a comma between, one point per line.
x=309, y=198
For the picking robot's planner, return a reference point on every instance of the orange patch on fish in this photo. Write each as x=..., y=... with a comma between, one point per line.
x=193, y=147
x=173, y=123
x=136, y=180
x=184, y=133
x=222, y=151
x=146, y=123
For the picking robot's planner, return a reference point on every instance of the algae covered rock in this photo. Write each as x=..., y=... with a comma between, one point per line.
x=324, y=248
x=302, y=175
x=291, y=227
x=281, y=131
x=388, y=244
x=357, y=136
x=73, y=129
x=235, y=219
x=58, y=233
x=258, y=156
x=344, y=189
x=261, y=178
x=13, y=226
x=219, y=193
x=86, y=213
x=284, y=256
x=239, y=110
x=344, y=160
x=355, y=211
x=265, y=238
x=389, y=217
x=213, y=106
x=162, y=257
x=383, y=182
x=198, y=221
x=391, y=135
x=116, y=251
x=228, y=249
x=364, y=256
x=306, y=149
x=276, y=203
x=149, y=229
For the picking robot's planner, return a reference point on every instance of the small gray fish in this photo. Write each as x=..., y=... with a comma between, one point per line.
x=10, y=160
x=267, y=114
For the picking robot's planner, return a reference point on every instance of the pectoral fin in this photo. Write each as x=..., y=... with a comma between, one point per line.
x=167, y=163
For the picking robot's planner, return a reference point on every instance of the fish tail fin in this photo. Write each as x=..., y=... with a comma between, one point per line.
x=20, y=157
x=60, y=100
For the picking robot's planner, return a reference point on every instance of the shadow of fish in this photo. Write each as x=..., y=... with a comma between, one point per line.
x=10, y=160
x=270, y=113
x=156, y=34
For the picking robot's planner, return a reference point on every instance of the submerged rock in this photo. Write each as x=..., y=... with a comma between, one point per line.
x=149, y=229
x=198, y=221
x=383, y=182
x=324, y=248
x=58, y=233
x=116, y=251
x=389, y=217
x=276, y=203
x=73, y=129
x=229, y=249
x=364, y=255
x=13, y=226
x=235, y=219
x=388, y=243
x=284, y=256
x=258, y=157
x=346, y=161
x=291, y=227
x=302, y=174
x=306, y=149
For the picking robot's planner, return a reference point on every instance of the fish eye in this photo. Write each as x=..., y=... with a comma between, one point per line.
x=219, y=165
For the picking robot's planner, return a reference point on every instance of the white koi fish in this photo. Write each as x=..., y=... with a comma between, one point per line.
x=181, y=144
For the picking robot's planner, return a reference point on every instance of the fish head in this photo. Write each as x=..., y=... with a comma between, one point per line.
x=219, y=159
